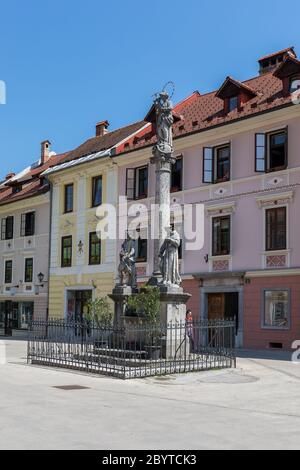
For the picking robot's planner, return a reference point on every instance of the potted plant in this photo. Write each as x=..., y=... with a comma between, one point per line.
x=147, y=304
x=99, y=317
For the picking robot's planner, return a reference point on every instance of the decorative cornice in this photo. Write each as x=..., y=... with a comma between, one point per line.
x=221, y=209
x=275, y=199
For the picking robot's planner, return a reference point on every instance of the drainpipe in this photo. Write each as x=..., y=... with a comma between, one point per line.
x=49, y=249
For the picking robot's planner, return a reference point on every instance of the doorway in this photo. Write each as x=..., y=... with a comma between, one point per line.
x=78, y=304
x=15, y=316
x=223, y=306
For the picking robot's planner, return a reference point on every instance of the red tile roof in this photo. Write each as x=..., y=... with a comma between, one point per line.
x=203, y=112
x=98, y=144
x=32, y=184
x=197, y=113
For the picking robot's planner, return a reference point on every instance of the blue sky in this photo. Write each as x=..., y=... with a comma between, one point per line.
x=68, y=64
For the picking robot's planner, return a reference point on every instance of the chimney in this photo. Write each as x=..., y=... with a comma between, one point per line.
x=45, y=151
x=270, y=62
x=9, y=176
x=102, y=128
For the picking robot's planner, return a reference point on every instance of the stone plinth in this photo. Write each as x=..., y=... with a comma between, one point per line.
x=173, y=308
x=120, y=295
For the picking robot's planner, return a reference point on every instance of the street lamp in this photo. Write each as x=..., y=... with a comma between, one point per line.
x=41, y=277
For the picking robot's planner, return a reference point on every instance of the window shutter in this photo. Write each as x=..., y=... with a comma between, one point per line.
x=9, y=232
x=287, y=147
x=260, y=153
x=3, y=229
x=23, y=224
x=208, y=165
x=130, y=183
x=33, y=223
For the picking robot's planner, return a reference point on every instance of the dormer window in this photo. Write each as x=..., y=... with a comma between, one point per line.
x=289, y=73
x=16, y=189
x=233, y=103
x=294, y=84
x=234, y=94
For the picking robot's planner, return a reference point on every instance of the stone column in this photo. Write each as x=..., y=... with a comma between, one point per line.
x=162, y=203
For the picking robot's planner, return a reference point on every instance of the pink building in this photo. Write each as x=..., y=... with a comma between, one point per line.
x=238, y=154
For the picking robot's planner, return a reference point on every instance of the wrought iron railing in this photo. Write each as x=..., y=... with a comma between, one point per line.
x=133, y=349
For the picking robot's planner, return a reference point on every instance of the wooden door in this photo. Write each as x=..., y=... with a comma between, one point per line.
x=216, y=306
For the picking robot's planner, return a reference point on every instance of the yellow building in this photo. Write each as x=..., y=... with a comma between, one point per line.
x=83, y=267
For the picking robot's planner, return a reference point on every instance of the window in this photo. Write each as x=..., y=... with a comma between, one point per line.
x=233, y=103
x=221, y=236
x=223, y=164
x=276, y=309
x=28, y=270
x=8, y=272
x=276, y=238
x=95, y=249
x=97, y=191
x=294, y=84
x=142, y=182
x=271, y=151
x=7, y=228
x=28, y=224
x=176, y=176
x=69, y=197
x=66, y=252
x=142, y=250
x=137, y=183
x=216, y=164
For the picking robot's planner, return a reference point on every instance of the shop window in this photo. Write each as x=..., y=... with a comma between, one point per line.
x=276, y=309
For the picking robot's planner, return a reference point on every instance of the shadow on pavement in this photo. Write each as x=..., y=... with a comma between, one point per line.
x=270, y=355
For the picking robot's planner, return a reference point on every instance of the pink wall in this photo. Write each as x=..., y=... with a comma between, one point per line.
x=243, y=189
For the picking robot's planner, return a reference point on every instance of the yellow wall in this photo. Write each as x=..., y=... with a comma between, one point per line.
x=68, y=225
x=58, y=285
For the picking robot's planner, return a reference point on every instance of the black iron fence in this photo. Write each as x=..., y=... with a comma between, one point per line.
x=133, y=350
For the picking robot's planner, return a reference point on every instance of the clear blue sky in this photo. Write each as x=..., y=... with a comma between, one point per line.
x=68, y=64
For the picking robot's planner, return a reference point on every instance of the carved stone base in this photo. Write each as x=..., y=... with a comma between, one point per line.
x=173, y=309
x=120, y=295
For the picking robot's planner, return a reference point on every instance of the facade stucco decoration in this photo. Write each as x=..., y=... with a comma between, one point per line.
x=275, y=199
x=278, y=261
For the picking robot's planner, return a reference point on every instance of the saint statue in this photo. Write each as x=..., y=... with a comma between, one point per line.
x=169, y=259
x=164, y=123
x=127, y=266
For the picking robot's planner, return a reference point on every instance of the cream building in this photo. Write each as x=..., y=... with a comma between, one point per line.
x=82, y=267
x=24, y=246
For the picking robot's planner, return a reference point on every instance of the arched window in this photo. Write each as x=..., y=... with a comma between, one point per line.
x=294, y=83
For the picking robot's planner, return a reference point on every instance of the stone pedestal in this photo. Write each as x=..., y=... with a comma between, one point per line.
x=173, y=309
x=120, y=295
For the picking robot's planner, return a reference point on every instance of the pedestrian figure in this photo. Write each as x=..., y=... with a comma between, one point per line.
x=190, y=330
